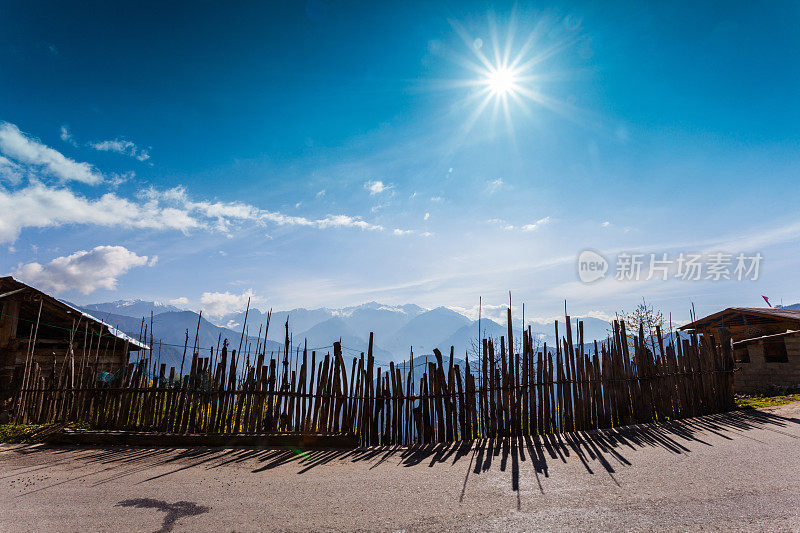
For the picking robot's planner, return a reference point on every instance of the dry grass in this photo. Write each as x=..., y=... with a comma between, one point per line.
x=757, y=402
x=29, y=433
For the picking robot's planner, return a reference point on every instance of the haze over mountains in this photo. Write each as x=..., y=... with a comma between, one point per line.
x=396, y=328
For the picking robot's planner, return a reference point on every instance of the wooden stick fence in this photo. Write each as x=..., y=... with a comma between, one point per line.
x=506, y=392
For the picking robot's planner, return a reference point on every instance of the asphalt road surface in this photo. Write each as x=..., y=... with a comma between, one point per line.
x=733, y=472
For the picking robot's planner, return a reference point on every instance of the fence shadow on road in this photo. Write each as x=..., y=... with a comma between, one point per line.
x=599, y=452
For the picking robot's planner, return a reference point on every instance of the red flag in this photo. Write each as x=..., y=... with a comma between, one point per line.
x=766, y=300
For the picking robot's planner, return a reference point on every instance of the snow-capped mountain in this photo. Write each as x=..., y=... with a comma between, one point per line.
x=396, y=328
x=134, y=308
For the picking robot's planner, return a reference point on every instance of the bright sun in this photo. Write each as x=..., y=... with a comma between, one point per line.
x=507, y=72
x=501, y=81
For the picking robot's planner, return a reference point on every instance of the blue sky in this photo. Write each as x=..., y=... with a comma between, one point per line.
x=315, y=153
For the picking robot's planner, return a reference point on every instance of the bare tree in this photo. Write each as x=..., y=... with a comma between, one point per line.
x=475, y=350
x=644, y=315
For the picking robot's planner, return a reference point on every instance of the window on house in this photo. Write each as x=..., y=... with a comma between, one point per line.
x=775, y=351
x=741, y=355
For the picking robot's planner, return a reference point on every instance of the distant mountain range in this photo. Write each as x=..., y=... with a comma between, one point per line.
x=134, y=308
x=396, y=329
x=170, y=328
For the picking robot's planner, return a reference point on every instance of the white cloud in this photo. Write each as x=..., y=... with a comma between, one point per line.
x=343, y=221
x=225, y=213
x=10, y=171
x=118, y=179
x=376, y=187
x=321, y=193
x=495, y=185
x=39, y=206
x=216, y=304
x=398, y=231
x=121, y=146
x=427, y=216
x=605, y=224
x=28, y=151
x=85, y=271
x=536, y=225
x=437, y=199
x=181, y=301
x=502, y=223
x=66, y=136
x=527, y=227
x=298, y=204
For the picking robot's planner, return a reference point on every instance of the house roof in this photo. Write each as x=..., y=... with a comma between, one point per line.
x=727, y=316
x=58, y=314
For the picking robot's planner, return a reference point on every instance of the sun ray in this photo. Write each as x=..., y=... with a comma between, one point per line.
x=510, y=68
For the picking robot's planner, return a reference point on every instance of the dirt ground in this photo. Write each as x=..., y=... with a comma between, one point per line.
x=732, y=472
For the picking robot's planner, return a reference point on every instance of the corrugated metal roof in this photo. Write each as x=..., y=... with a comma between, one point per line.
x=18, y=285
x=773, y=312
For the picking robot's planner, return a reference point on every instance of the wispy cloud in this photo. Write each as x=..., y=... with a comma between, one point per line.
x=66, y=136
x=536, y=225
x=502, y=223
x=224, y=214
x=84, y=271
x=38, y=204
x=115, y=180
x=122, y=146
x=10, y=171
x=495, y=185
x=511, y=227
x=377, y=187
x=28, y=151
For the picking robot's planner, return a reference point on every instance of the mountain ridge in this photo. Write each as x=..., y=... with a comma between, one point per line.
x=396, y=328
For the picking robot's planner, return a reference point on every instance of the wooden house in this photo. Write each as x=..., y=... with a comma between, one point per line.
x=765, y=341
x=38, y=331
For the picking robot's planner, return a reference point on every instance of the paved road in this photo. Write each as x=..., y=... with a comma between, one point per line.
x=735, y=472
